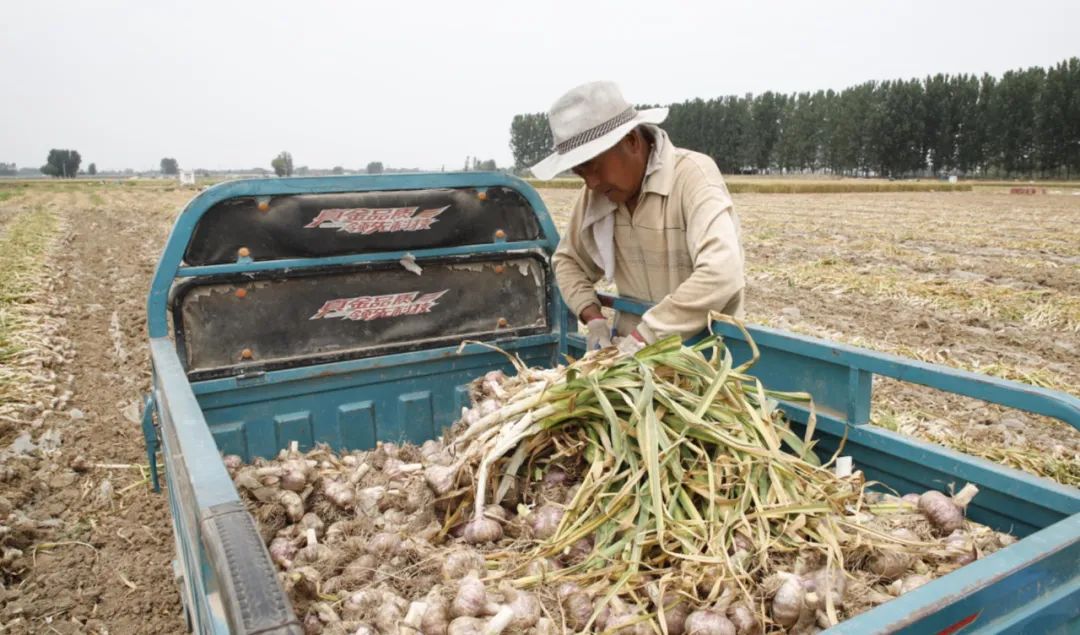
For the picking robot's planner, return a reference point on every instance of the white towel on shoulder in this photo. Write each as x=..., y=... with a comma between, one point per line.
x=600, y=215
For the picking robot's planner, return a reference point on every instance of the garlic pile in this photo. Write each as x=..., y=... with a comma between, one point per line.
x=397, y=540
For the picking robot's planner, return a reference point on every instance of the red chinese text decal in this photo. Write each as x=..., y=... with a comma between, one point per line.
x=368, y=220
x=375, y=307
x=961, y=625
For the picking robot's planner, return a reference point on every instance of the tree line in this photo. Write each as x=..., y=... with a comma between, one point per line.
x=65, y=164
x=1025, y=123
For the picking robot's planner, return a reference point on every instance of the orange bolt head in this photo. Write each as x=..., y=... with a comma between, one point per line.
x=244, y=252
x=240, y=293
x=482, y=196
x=500, y=268
x=503, y=323
x=264, y=206
x=246, y=354
x=500, y=234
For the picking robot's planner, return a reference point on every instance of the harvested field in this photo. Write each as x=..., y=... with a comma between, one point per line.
x=979, y=281
x=982, y=281
x=96, y=543
x=776, y=185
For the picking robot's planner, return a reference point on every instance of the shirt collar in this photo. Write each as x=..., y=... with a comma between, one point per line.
x=660, y=170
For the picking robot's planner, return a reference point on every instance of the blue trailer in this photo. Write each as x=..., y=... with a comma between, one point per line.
x=330, y=310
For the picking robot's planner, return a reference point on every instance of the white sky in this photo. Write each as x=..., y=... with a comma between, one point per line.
x=220, y=84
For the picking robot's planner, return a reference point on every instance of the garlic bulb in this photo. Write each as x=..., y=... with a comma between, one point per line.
x=787, y=604
x=944, y=512
x=625, y=621
x=390, y=613
x=579, y=551
x=466, y=625
x=304, y=580
x=368, y=499
x=707, y=622
x=384, y=544
x=960, y=547
x=312, y=625
x=293, y=504
x=913, y=582
x=295, y=475
x=471, y=598
x=745, y=621
x=483, y=530
x=577, y=606
x=555, y=476
x=326, y=613
x=458, y=563
x=674, y=609
x=675, y=618
x=360, y=602
x=542, y=567
x=827, y=582
x=441, y=478
x=312, y=521
x=496, y=512
x=891, y=562
x=414, y=617
x=430, y=448
x=524, y=605
x=436, y=618
x=282, y=551
x=338, y=493
x=544, y=521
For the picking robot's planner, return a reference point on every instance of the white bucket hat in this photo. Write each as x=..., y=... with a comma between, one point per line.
x=587, y=121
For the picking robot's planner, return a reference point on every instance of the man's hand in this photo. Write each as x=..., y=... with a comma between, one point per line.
x=590, y=313
x=599, y=334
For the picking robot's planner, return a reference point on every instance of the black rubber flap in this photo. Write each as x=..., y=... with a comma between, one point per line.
x=247, y=581
x=298, y=320
x=321, y=225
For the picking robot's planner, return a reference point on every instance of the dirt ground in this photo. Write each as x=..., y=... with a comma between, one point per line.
x=983, y=281
x=100, y=555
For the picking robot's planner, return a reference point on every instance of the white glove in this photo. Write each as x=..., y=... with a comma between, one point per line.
x=599, y=334
x=629, y=345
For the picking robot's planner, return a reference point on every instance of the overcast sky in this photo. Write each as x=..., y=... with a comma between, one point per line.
x=219, y=84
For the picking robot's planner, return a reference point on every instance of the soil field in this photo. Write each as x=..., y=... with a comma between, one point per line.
x=982, y=281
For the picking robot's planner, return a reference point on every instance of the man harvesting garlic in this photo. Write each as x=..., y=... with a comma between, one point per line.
x=655, y=219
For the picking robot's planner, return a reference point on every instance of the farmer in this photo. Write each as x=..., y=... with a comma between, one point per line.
x=655, y=219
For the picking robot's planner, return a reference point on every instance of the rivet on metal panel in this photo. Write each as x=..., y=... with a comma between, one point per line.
x=246, y=354
x=500, y=235
x=503, y=323
x=500, y=268
x=243, y=252
x=263, y=204
x=240, y=293
x=482, y=195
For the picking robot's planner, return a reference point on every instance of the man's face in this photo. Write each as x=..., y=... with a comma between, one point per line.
x=618, y=172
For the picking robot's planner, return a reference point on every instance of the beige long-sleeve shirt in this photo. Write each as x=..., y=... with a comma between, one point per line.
x=680, y=248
